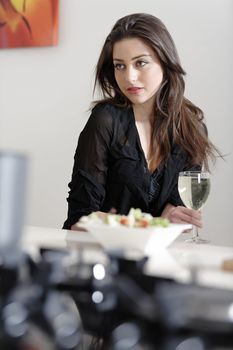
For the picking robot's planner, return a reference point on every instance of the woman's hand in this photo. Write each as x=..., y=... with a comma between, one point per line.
x=78, y=227
x=182, y=215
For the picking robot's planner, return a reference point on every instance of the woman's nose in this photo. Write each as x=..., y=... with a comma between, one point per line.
x=131, y=74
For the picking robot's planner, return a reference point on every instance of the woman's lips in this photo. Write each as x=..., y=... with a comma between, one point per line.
x=134, y=90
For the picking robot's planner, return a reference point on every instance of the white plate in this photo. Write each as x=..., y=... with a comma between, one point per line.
x=146, y=240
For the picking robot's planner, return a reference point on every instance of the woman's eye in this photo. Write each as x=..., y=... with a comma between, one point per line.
x=141, y=63
x=119, y=66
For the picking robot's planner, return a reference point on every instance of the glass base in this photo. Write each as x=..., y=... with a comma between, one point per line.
x=197, y=240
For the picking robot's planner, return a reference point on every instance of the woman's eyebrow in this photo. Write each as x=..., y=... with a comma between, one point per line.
x=134, y=58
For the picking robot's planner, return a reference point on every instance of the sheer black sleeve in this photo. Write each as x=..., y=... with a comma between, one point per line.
x=87, y=186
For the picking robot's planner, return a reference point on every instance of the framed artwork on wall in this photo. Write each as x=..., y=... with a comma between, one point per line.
x=28, y=23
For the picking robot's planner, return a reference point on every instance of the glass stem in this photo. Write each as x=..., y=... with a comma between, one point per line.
x=195, y=232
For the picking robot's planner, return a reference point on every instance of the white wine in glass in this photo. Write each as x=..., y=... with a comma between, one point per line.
x=194, y=188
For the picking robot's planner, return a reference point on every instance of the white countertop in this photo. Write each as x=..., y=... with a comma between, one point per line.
x=205, y=260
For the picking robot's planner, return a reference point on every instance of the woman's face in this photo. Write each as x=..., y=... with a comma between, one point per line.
x=138, y=71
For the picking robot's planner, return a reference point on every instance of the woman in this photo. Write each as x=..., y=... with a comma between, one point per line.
x=142, y=133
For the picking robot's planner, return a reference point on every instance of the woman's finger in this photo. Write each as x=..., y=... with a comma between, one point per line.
x=183, y=215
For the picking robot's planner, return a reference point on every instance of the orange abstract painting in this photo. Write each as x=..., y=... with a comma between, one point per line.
x=26, y=23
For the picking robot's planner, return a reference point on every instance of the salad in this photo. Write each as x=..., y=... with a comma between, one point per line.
x=135, y=218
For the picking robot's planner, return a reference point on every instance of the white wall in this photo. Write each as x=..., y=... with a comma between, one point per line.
x=45, y=94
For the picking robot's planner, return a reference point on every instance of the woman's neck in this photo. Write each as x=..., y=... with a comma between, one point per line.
x=142, y=114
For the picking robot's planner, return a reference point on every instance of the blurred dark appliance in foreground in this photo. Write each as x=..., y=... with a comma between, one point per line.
x=131, y=310
x=118, y=305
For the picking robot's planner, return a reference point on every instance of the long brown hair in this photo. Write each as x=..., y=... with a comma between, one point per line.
x=177, y=120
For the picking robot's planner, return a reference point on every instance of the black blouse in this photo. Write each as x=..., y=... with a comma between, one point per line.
x=110, y=169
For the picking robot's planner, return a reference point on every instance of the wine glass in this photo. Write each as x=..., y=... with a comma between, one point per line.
x=194, y=188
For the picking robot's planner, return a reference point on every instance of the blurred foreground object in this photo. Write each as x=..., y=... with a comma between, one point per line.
x=228, y=265
x=13, y=169
x=33, y=315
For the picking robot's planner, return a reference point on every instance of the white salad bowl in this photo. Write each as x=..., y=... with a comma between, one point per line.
x=146, y=240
